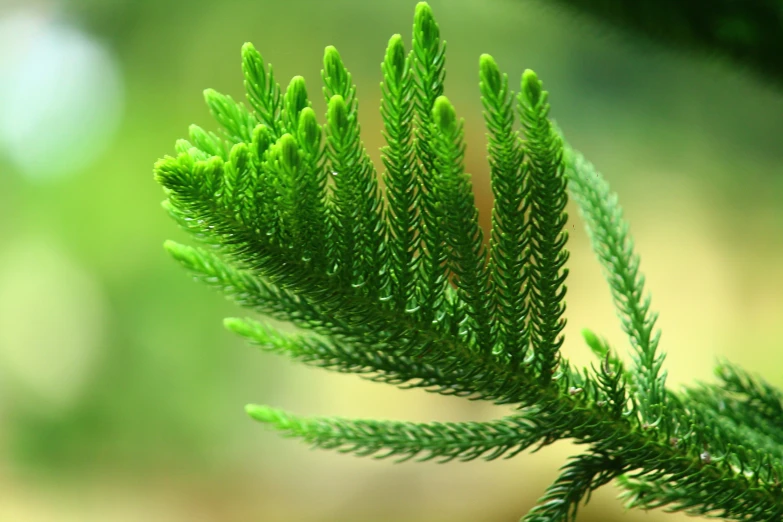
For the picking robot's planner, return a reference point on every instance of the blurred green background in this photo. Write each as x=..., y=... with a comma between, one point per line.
x=121, y=395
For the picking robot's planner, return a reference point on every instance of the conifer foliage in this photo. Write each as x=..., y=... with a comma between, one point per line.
x=397, y=284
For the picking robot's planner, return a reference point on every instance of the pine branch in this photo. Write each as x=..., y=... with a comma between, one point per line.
x=263, y=93
x=579, y=477
x=545, y=248
x=400, y=177
x=710, y=498
x=614, y=248
x=610, y=378
x=510, y=231
x=244, y=288
x=234, y=117
x=428, y=59
x=755, y=393
x=357, y=208
x=350, y=357
x=398, y=287
x=464, y=238
x=444, y=441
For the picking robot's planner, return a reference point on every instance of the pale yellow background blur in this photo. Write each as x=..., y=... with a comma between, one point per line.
x=121, y=395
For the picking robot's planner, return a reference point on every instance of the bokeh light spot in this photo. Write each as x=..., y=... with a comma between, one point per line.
x=60, y=96
x=52, y=315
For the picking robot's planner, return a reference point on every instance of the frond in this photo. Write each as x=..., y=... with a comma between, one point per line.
x=428, y=59
x=545, y=248
x=467, y=257
x=510, y=230
x=397, y=285
x=577, y=479
x=357, y=210
x=400, y=177
x=373, y=364
x=613, y=245
x=237, y=121
x=263, y=93
x=444, y=441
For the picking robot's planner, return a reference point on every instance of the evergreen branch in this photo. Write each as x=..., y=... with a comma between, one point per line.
x=428, y=60
x=310, y=186
x=444, y=441
x=370, y=281
x=705, y=498
x=610, y=378
x=741, y=412
x=510, y=230
x=350, y=313
x=347, y=357
x=254, y=293
x=467, y=257
x=244, y=288
x=614, y=247
x=357, y=209
x=233, y=116
x=755, y=393
x=263, y=93
x=260, y=214
x=294, y=102
x=578, y=478
x=207, y=142
x=400, y=176
x=546, y=246
x=279, y=167
x=735, y=422
x=727, y=479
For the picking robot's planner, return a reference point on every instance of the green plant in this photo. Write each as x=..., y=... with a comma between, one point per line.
x=397, y=285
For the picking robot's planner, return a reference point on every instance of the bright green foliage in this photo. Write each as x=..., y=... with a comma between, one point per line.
x=453, y=194
x=545, y=252
x=398, y=285
x=510, y=236
x=400, y=176
x=428, y=60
